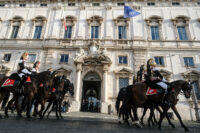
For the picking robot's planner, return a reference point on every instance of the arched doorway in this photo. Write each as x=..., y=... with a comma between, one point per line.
x=90, y=101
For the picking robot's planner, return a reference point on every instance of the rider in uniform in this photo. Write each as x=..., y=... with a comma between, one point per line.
x=155, y=76
x=23, y=70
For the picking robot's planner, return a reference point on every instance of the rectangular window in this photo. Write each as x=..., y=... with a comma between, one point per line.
x=38, y=31
x=43, y=4
x=123, y=60
x=121, y=4
x=123, y=82
x=68, y=32
x=7, y=57
x=14, y=32
x=22, y=5
x=95, y=32
x=31, y=58
x=2, y=5
x=64, y=58
x=155, y=33
x=195, y=86
x=150, y=4
x=175, y=3
x=182, y=33
x=122, y=32
x=71, y=4
x=95, y=4
x=188, y=61
x=159, y=60
x=198, y=3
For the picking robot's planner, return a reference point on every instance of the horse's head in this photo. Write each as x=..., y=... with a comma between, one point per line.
x=69, y=87
x=186, y=88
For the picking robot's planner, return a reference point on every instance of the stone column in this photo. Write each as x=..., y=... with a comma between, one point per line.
x=76, y=104
x=78, y=81
x=104, y=97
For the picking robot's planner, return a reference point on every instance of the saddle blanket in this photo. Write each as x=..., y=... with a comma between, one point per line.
x=151, y=91
x=8, y=82
x=28, y=79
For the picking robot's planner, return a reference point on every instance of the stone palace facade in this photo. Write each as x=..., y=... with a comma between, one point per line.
x=98, y=50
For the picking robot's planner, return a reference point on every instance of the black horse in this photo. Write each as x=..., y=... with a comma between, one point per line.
x=62, y=86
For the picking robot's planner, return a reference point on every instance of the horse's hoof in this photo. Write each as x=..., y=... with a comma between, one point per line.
x=173, y=126
x=138, y=125
x=142, y=123
x=186, y=129
x=6, y=116
x=159, y=127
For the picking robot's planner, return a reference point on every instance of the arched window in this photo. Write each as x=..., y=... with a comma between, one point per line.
x=15, y=27
x=154, y=28
x=68, y=27
x=181, y=26
x=121, y=28
x=94, y=27
x=38, y=27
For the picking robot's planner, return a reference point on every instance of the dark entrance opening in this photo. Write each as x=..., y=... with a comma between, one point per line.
x=91, y=93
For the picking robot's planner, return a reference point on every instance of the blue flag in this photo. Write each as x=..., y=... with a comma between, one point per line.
x=129, y=12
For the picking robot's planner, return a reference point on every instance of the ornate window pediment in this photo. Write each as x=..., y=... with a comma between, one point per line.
x=95, y=19
x=38, y=27
x=68, y=23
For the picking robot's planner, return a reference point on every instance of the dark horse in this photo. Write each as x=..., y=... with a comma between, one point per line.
x=138, y=98
x=30, y=89
x=62, y=86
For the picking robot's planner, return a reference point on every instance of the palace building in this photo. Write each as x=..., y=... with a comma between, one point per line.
x=99, y=50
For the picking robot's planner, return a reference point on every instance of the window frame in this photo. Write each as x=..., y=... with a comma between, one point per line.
x=66, y=37
x=12, y=36
x=121, y=4
x=9, y=57
x=163, y=59
x=63, y=62
x=71, y=4
x=189, y=61
x=43, y=4
x=96, y=4
x=123, y=36
x=22, y=5
x=119, y=82
x=155, y=35
x=151, y=4
x=2, y=5
x=176, y=3
x=118, y=60
x=34, y=60
x=181, y=38
x=98, y=32
x=35, y=32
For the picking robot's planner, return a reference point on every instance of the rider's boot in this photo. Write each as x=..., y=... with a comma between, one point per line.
x=20, y=88
x=166, y=96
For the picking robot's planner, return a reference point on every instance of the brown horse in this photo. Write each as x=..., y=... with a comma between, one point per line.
x=138, y=98
x=30, y=89
x=43, y=95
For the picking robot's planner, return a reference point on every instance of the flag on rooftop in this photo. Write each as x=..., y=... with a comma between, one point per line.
x=129, y=12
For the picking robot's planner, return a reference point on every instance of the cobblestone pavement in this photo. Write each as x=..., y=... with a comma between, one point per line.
x=83, y=123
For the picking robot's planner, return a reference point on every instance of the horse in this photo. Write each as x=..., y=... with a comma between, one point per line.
x=138, y=98
x=57, y=97
x=43, y=95
x=30, y=90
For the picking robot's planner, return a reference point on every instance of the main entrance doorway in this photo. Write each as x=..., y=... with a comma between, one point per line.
x=91, y=93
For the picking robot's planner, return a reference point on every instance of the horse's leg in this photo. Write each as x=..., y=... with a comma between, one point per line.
x=179, y=117
x=29, y=104
x=144, y=112
x=57, y=110
x=5, y=100
x=7, y=107
x=60, y=102
x=48, y=106
x=162, y=115
x=136, y=119
x=168, y=119
x=51, y=110
x=35, y=112
x=42, y=108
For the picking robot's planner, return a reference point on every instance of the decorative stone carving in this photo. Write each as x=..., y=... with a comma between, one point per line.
x=95, y=56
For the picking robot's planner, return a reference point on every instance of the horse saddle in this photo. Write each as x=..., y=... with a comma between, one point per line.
x=151, y=91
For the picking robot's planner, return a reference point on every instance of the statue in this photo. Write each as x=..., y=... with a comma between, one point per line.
x=80, y=56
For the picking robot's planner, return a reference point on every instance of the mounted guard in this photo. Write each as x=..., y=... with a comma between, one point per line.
x=36, y=67
x=23, y=70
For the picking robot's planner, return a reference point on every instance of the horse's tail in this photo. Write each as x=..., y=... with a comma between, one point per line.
x=119, y=98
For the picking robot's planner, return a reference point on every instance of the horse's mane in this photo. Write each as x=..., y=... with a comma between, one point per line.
x=40, y=76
